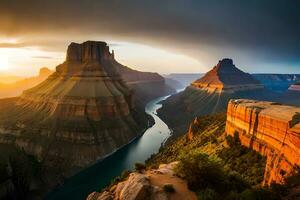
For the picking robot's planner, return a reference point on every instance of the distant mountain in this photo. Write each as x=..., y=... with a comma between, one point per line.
x=277, y=82
x=184, y=78
x=292, y=95
x=16, y=88
x=146, y=85
x=174, y=83
x=211, y=94
x=8, y=78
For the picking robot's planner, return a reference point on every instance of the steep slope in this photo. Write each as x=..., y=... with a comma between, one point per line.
x=271, y=129
x=79, y=114
x=142, y=83
x=13, y=89
x=210, y=94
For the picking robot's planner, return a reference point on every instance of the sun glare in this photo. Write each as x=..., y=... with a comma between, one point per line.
x=4, y=65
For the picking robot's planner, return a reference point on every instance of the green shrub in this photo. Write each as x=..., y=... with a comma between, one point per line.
x=201, y=172
x=295, y=120
x=258, y=194
x=139, y=166
x=169, y=188
x=236, y=182
x=208, y=194
x=125, y=174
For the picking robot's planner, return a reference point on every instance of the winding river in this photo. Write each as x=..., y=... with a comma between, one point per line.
x=100, y=174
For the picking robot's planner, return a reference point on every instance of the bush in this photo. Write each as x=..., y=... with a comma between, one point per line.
x=169, y=188
x=208, y=194
x=139, y=166
x=201, y=172
x=125, y=174
x=236, y=182
x=259, y=194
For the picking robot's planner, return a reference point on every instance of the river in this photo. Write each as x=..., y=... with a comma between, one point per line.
x=100, y=174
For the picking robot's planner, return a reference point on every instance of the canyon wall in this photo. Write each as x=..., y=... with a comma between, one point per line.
x=271, y=129
x=79, y=114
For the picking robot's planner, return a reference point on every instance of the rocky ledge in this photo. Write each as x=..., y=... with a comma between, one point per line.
x=148, y=185
x=271, y=129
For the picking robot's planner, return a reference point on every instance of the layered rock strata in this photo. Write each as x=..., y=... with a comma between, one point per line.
x=79, y=114
x=271, y=129
x=225, y=77
x=210, y=94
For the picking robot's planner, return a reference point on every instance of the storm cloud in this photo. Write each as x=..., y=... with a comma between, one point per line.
x=262, y=31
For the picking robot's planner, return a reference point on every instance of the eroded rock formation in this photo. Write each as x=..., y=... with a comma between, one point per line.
x=210, y=94
x=271, y=129
x=79, y=114
x=226, y=78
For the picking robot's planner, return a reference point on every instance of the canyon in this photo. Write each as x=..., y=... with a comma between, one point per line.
x=277, y=82
x=210, y=94
x=81, y=113
x=271, y=129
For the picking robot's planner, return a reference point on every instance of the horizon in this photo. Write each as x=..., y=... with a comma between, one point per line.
x=263, y=39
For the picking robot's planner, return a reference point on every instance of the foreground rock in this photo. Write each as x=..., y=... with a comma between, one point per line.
x=147, y=185
x=271, y=129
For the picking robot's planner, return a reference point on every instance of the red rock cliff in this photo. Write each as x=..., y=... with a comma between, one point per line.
x=271, y=129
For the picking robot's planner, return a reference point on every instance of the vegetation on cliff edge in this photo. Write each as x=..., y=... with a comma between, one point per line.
x=216, y=166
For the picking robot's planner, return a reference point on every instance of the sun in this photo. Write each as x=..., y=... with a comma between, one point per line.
x=4, y=65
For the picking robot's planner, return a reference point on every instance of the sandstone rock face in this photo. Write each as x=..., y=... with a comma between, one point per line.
x=225, y=77
x=210, y=94
x=190, y=133
x=79, y=114
x=271, y=129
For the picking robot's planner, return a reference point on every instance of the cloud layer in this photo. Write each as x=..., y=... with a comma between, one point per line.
x=261, y=31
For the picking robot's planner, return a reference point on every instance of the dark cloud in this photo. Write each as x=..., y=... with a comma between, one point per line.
x=262, y=30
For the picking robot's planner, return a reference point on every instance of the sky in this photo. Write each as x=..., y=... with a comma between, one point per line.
x=166, y=36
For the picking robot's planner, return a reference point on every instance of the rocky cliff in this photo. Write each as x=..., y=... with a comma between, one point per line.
x=79, y=114
x=271, y=129
x=148, y=185
x=210, y=94
x=142, y=84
